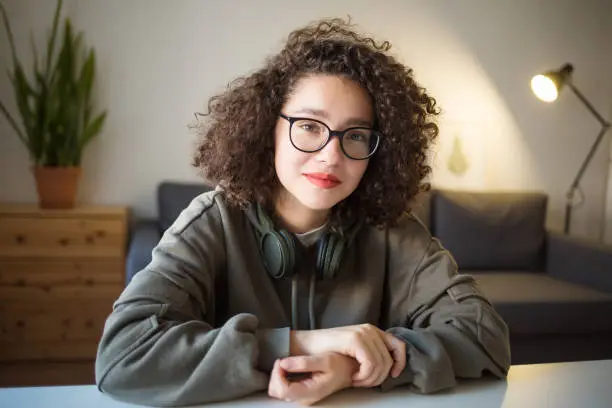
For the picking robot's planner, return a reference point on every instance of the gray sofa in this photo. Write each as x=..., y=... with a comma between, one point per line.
x=554, y=291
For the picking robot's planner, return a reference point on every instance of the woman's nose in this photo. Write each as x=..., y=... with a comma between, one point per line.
x=332, y=152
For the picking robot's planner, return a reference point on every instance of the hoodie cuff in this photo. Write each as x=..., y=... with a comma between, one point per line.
x=273, y=344
x=406, y=377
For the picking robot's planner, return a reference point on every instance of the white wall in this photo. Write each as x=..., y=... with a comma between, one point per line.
x=159, y=61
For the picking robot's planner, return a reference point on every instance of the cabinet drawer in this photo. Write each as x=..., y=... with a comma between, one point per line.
x=61, y=330
x=55, y=293
x=36, y=308
x=61, y=237
x=89, y=272
x=48, y=350
x=52, y=323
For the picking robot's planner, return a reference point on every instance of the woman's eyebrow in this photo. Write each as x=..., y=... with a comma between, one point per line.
x=323, y=114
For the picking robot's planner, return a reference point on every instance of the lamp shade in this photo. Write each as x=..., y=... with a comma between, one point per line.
x=548, y=85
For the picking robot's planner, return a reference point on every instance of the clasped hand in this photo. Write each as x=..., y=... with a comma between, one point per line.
x=330, y=360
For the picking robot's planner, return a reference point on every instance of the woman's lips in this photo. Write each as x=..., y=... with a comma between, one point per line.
x=323, y=180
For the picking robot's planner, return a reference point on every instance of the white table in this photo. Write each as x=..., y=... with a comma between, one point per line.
x=561, y=385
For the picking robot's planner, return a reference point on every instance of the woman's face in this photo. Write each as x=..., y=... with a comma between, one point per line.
x=320, y=180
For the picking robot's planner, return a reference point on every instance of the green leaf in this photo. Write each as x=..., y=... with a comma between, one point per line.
x=13, y=124
x=34, y=51
x=87, y=75
x=51, y=41
x=9, y=33
x=91, y=130
x=23, y=91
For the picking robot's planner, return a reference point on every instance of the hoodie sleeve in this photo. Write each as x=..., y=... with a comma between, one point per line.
x=450, y=328
x=159, y=346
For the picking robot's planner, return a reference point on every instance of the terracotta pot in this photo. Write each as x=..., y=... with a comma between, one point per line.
x=57, y=186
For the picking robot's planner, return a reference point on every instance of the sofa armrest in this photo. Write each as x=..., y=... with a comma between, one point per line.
x=580, y=261
x=144, y=238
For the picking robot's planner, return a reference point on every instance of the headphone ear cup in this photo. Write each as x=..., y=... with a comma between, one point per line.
x=336, y=253
x=277, y=248
x=289, y=253
x=274, y=253
x=331, y=251
x=321, y=251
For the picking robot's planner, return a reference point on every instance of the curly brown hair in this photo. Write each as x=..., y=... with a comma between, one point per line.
x=236, y=144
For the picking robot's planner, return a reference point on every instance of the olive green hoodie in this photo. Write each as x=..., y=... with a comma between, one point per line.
x=204, y=321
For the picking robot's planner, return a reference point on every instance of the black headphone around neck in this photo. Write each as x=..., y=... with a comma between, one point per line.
x=281, y=252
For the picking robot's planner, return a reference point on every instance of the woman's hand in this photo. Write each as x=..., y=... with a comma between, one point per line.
x=320, y=376
x=377, y=352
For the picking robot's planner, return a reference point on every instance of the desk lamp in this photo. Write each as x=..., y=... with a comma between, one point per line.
x=547, y=87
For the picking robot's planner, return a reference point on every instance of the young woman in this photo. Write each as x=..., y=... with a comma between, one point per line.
x=304, y=272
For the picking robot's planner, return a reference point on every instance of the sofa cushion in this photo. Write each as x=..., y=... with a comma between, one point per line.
x=174, y=197
x=535, y=303
x=579, y=260
x=491, y=230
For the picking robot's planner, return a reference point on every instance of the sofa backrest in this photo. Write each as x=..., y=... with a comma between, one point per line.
x=174, y=197
x=482, y=230
x=490, y=230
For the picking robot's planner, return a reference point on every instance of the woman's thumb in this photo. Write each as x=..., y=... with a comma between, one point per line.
x=301, y=364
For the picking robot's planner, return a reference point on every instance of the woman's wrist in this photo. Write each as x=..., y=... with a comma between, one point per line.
x=296, y=342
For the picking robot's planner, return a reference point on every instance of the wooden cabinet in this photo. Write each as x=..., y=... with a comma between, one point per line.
x=60, y=272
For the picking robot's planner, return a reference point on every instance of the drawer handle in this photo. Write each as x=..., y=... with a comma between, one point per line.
x=63, y=241
x=20, y=239
x=20, y=324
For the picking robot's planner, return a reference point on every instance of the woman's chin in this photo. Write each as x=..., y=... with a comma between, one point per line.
x=319, y=204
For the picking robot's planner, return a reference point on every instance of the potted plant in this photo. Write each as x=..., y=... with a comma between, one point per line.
x=54, y=104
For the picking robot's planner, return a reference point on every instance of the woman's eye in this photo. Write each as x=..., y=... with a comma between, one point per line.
x=358, y=137
x=310, y=127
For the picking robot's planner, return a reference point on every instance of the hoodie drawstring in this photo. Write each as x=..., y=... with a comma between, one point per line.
x=311, y=295
x=294, y=302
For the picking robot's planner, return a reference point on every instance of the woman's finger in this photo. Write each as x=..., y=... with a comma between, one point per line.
x=279, y=385
x=397, y=348
x=370, y=368
x=374, y=345
x=385, y=356
x=303, y=364
x=367, y=362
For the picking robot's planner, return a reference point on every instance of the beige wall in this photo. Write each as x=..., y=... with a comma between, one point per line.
x=159, y=61
x=608, y=205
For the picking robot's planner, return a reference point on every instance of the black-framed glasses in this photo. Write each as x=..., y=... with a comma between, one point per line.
x=311, y=135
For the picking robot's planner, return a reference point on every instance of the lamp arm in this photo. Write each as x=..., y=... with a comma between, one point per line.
x=588, y=158
x=604, y=127
x=590, y=107
x=585, y=163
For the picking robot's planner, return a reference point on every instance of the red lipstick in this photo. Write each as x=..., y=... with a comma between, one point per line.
x=323, y=180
